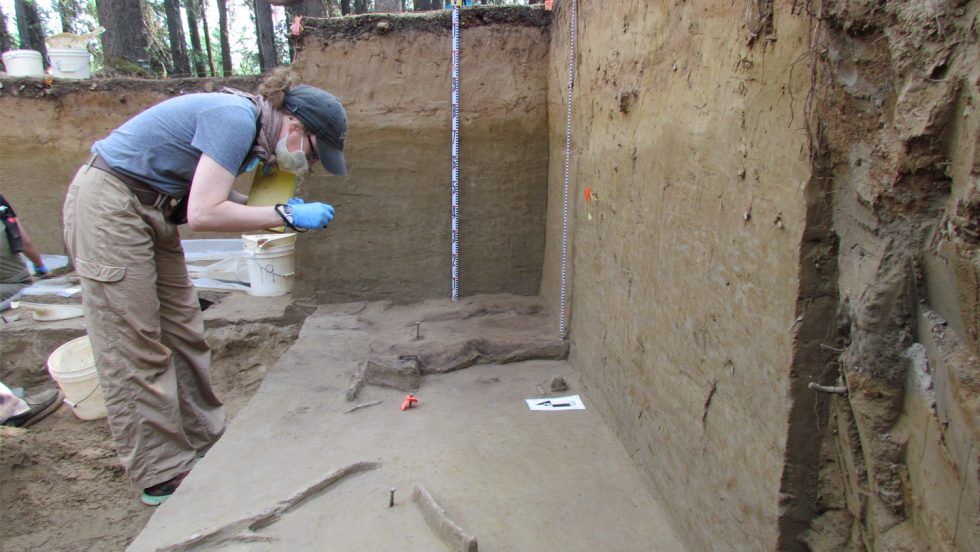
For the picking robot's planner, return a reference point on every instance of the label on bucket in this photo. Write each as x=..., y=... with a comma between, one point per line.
x=271, y=273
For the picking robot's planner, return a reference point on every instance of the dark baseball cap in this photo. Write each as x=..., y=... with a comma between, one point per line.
x=323, y=115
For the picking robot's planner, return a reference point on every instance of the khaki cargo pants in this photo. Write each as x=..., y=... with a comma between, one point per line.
x=146, y=328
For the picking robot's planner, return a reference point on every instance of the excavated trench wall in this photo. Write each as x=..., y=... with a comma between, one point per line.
x=394, y=77
x=391, y=236
x=896, y=94
x=782, y=194
x=685, y=268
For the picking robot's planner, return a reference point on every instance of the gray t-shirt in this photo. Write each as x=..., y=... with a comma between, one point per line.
x=162, y=145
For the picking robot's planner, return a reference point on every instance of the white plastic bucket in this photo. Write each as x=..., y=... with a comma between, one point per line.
x=72, y=366
x=271, y=263
x=23, y=63
x=69, y=63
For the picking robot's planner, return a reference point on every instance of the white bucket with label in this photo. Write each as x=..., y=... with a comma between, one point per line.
x=271, y=263
x=72, y=366
x=23, y=63
x=70, y=63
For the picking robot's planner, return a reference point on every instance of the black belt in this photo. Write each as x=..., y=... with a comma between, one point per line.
x=144, y=192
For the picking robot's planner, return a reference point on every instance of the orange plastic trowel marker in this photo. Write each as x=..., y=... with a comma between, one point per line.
x=590, y=196
x=409, y=401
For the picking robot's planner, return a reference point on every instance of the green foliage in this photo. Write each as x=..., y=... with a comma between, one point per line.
x=249, y=64
x=157, y=37
x=122, y=66
x=282, y=41
x=197, y=57
x=216, y=51
x=88, y=23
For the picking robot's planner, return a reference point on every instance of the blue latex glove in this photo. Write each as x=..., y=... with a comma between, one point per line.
x=311, y=215
x=42, y=271
x=295, y=201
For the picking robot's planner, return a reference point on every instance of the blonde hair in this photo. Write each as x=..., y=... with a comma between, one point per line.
x=275, y=86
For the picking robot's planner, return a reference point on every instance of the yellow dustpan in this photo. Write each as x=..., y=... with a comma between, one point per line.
x=271, y=186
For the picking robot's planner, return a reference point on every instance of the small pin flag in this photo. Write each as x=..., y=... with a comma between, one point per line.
x=588, y=194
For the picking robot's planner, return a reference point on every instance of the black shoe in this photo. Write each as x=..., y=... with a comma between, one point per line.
x=159, y=493
x=42, y=405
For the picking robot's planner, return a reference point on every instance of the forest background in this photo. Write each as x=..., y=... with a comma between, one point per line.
x=183, y=38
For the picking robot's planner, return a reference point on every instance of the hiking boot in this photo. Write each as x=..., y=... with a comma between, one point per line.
x=159, y=493
x=42, y=405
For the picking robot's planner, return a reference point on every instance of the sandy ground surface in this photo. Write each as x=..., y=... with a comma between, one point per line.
x=510, y=478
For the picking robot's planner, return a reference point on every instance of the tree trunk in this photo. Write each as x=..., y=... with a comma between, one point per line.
x=178, y=46
x=387, y=6
x=422, y=5
x=69, y=10
x=123, y=42
x=345, y=7
x=306, y=8
x=197, y=55
x=207, y=36
x=264, y=31
x=309, y=8
x=360, y=6
x=6, y=41
x=226, y=67
x=29, y=26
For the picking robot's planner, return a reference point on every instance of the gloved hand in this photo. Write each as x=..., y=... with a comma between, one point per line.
x=42, y=271
x=295, y=201
x=311, y=215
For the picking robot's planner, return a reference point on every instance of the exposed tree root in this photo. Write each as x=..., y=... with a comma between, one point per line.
x=362, y=405
x=435, y=516
x=243, y=530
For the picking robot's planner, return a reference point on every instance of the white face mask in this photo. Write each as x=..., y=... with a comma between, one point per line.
x=291, y=161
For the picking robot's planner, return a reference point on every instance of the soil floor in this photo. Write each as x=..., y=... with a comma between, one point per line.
x=309, y=463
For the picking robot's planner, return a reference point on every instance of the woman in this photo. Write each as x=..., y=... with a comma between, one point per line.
x=121, y=215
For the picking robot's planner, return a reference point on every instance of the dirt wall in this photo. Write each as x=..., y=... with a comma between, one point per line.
x=784, y=195
x=896, y=95
x=392, y=233
x=390, y=238
x=685, y=268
